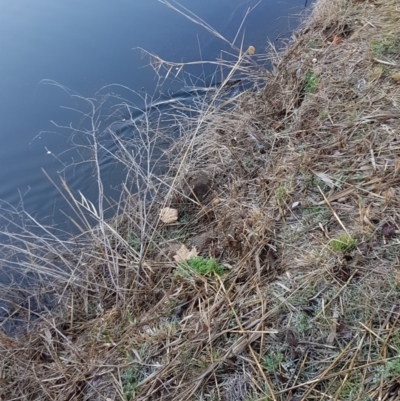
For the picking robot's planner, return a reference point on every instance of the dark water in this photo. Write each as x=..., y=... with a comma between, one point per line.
x=87, y=44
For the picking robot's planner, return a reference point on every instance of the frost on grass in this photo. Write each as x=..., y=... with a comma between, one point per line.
x=275, y=301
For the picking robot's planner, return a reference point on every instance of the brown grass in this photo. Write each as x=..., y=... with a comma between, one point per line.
x=295, y=191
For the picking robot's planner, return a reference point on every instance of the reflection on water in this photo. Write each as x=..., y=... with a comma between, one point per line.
x=89, y=45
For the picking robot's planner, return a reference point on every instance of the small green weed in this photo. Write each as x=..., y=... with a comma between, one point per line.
x=132, y=319
x=129, y=383
x=314, y=182
x=315, y=43
x=293, y=233
x=376, y=73
x=136, y=243
x=392, y=369
x=311, y=82
x=184, y=218
x=202, y=266
x=172, y=307
x=385, y=47
x=394, y=341
x=316, y=214
x=273, y=361
x=351, y=390
x=107, y=336
x=282, y=193
x=344, y=243
x=303, y=323
x=133, y=241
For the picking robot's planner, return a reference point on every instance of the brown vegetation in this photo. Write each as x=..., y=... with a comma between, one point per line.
x=295, y=192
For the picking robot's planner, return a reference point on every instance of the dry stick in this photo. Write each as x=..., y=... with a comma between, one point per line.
x=323, y=375
x=294, y=376
x=210, y=312
x=262, y=324
x=195, y=19
x=333, y=210
x=65, y=186
x=391, y=63
x=337, y=294
x=379, y=338
x=249, y=10
x=271, y=391
x=353, y=359
x=365, y=371
x=379, y=390
x=181, y=65
x=332, y=375
x=385, y=344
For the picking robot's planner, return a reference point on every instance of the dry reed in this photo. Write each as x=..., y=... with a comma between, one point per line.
x=294, y=190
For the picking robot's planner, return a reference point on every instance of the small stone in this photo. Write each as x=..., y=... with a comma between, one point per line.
x=314, y=60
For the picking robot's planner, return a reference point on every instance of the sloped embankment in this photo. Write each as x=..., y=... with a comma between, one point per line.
x=295, y=192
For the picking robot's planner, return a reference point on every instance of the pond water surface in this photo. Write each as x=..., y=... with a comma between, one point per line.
x=84, y=45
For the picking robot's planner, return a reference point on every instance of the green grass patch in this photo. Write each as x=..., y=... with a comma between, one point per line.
x=129, y=383
x=351, y=390
x=201, y=266
x=385, y=47
x=311, y=82
x=316, y=214
x=303, y=323
x=283, y=193
x=134, y=241
x=392, y=369
x=344, y=243
x=273, y=360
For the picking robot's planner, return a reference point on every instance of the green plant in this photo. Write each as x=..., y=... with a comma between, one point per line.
x=344, y=243
x=203, y=266
x=315, y=43
x=394, y=341
x=280, y=194
x=392, y=369
x=314, y=182
x=107, y=336
x=303, y=323
x=171, y=307
x=283, y=192
x=316, y=214
x=351, y=390
x=273, y=360
x=129, y=383
x=184, y=218
x=247, y=162
x=134, y=241
x=385, y=46
x=310, y=82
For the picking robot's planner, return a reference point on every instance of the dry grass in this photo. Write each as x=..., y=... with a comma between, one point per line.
x=295, y=191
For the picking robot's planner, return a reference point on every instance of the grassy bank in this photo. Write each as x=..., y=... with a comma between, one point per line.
x=274, y=276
